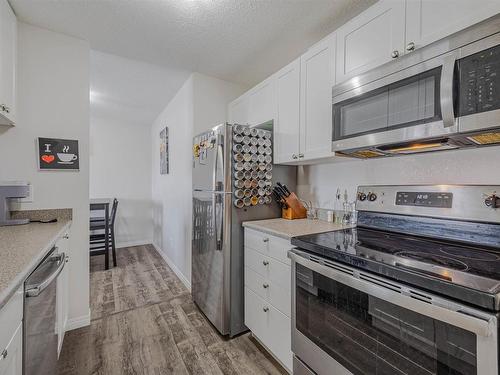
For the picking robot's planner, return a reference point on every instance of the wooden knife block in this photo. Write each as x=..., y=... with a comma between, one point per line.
x=295, y=209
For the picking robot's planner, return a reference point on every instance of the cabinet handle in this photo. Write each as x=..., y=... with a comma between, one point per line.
x=395, y=54
x=7, y=109
x=265, y=285
x=410, y=46
x=301, y=155
x=265, y=262
x=294, y=156
x=66, y=236
x=2, y=107
x=3, y=355
x=265, y=309
x=265, y=240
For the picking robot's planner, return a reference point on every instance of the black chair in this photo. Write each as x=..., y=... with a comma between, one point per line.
x=98, y=240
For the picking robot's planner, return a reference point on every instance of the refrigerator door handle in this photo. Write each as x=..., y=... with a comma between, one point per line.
x=218, y=218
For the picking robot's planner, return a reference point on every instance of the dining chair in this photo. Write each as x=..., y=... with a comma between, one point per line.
x=98, y=240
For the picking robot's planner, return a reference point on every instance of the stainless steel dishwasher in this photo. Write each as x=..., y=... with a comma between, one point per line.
x=39, y=325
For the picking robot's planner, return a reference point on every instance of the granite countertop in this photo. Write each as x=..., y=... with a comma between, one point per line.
x=292, y=228
x=22, y=247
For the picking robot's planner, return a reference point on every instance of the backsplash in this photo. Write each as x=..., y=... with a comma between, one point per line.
x=319, y=183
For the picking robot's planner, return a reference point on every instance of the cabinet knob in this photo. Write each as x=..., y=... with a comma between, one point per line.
x=66, y=236
x=4, y=354
x=395, y=54
x=410, y=46
x=265, y=285
x=7, y=109
x=265, y=240
x=265, y=309
x=265, y=262
x=294, y=156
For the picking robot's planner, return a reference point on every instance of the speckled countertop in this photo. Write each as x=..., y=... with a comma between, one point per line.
x=292, y=228
x=22, y=247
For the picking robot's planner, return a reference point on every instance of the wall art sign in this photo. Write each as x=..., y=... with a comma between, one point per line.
x=58, y=154
x=164, y=151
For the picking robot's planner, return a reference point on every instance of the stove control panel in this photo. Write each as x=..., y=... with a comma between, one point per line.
x=425, y=199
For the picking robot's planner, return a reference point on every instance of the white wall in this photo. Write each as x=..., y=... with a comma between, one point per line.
x=478, y=166
x=126, y=97
x=200, y=104
x=120, y=166
x=53, y=101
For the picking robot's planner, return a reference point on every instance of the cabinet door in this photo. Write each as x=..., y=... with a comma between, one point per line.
x=62, y=296
x=287, y=125
x=370, y=39
x=239, y=110
x=11, y=358
x=317, y=75
x=263, y=102
x=8, y=53
x=431, y=20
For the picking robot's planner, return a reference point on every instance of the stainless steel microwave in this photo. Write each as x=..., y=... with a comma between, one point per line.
x=443, y=96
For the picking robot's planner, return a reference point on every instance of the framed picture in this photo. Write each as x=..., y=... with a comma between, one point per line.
x=58, y=154
x=164, y=151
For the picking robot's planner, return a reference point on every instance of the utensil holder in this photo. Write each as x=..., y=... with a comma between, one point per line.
x=295, y=210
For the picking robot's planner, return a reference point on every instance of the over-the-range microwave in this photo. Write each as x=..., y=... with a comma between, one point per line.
x=443, y=96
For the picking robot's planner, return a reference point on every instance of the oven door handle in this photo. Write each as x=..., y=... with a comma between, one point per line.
x=446, y=95
x=464, y=317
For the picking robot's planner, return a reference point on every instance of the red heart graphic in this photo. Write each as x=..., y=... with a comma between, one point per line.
x=48, y=158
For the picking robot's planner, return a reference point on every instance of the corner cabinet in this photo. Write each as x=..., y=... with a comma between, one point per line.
x=316, y=81
x=239, y=110
x=373, y=38
x=287, y=125
x=8, y=61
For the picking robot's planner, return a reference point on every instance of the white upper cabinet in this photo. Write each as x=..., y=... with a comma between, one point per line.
x=239, y=110
x=373, y=38
x=8, y=59
x=287, y=124
x=317, y=78
x=431, y=20
x=263, y=102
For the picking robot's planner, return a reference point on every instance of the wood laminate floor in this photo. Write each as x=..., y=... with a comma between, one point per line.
x=144, y=322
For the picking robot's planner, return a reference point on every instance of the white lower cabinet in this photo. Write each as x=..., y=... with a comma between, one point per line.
x=11, y=335
x=11, y=357
x=62, y=297
x=268, y=293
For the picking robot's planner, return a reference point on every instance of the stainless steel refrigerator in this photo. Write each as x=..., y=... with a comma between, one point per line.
x=217, y=237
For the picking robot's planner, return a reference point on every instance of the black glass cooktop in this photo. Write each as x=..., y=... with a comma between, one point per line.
x=439, y=266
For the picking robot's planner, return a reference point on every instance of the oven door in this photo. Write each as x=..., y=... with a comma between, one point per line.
x=348, y=321
x=411, y=104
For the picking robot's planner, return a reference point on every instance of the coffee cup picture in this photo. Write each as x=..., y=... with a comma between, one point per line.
x=58, y=154
x=66, y=158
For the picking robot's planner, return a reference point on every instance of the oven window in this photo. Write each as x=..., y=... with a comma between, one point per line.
x=370, y=336
x=409, y=102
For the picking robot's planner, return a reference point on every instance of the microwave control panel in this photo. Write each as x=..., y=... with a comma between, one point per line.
x=479, y=87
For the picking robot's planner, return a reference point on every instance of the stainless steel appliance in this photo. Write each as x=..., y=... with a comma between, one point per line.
x=232, y=179
x=8, y=191
x=413, y=289
x=440, y=97
x=39, y=323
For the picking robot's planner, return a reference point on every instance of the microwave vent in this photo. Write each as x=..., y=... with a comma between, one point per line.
x=485, y=138
x=362, y=154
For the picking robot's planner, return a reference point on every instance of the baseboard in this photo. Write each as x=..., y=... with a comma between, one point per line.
x=174, y=268
x=78, y=322
x=132, y=243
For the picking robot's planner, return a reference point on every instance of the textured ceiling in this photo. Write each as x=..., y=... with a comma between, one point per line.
x=242, y=41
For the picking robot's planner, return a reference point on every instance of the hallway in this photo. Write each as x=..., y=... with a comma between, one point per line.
x=144, y=322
